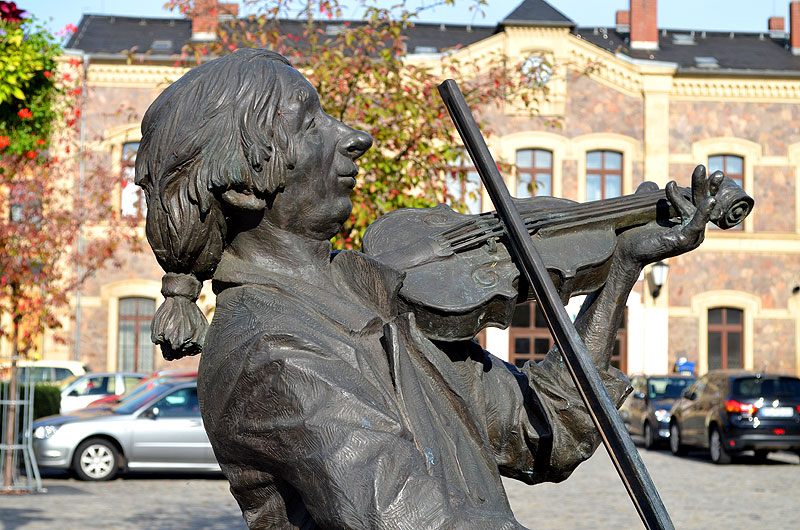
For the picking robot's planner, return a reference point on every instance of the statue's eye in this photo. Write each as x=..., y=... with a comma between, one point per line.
x=311, y=124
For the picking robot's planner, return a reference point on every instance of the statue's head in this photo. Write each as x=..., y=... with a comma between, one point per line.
x=240, y=134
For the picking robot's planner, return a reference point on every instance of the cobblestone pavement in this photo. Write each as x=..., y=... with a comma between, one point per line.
x=697, y=494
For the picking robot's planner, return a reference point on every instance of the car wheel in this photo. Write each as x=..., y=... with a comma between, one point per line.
x=717, y=449
x=675, y=444
x=649, y=437
x=96, y=459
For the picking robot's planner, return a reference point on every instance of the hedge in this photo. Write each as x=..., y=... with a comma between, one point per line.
x=46, y=401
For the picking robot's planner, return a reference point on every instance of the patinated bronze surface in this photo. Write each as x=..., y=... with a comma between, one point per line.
x=327, y=404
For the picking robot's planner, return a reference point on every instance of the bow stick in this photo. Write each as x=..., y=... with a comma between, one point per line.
x=615, y=437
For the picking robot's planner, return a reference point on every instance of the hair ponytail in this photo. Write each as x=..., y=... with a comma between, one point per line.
x=179, y=326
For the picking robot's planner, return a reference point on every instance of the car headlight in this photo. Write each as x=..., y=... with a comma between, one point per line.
x=44, y=432
x=662, y=415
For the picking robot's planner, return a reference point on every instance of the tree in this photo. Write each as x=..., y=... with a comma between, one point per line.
x=365, y=78
x=43, y=253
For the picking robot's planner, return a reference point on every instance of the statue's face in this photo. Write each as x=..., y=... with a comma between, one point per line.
x=316, y=198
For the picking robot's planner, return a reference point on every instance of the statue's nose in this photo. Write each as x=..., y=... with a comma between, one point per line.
x=355, y=143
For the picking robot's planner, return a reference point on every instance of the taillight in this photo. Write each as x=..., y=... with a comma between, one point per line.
x=779, y=431
x=732, y=405
x=798, y=408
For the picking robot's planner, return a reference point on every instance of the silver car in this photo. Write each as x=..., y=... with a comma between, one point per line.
x=160, y=429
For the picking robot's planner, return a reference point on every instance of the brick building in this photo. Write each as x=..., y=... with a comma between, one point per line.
x=652, y=104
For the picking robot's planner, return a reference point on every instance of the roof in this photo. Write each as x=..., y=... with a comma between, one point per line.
x=100, y=34
x=693, y=52
x=536, y=13
x=705, y=52
x=110, y=34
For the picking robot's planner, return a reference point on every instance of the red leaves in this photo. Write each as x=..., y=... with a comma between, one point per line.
x=47, y=74
x=10, y=12
x=40, y=141
x=25, y=113
x=4, y=142
x=30, y=154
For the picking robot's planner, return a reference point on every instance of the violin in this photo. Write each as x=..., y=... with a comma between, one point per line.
x=460, y=277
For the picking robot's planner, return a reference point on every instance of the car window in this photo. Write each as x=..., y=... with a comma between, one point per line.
x=95, y=386
x=62, y=373
x=131, y=382
x=768, y=388
x=667, y=387
x=132, y=403
x=68, y=381
x=699, y=386
x=181, y=403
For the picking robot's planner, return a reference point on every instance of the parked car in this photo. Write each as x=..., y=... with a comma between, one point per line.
x=160, y=429
x=144, y=385
x=646, y=412
x=44, y=371
x=78, y=391
x=728, y=412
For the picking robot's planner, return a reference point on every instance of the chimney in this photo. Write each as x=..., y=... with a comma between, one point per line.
x=206, y=16
x=644, y=24
x=794, y=27
x=623, y=21
x=777, y=27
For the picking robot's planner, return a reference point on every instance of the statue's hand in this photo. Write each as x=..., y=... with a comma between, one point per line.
x=653, y=242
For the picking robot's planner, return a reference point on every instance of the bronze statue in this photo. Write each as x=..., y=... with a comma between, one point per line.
x=327, y=399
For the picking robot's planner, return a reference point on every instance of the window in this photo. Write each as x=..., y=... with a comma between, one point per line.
x=530, y=337
x=24, y=204
x=725, y=338
x=181, y=403
x=133, y=203
x=534, y=166
x=733, y=167
x=603, y=175
x=135, y=352
x=464, y=184
x=95, y=386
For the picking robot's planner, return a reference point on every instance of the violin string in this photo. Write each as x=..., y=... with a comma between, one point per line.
x=476, y=231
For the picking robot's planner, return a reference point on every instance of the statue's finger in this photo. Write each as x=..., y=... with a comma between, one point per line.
x=697, y=224
x=699, y=184
x=681, y=203
x=715, y=181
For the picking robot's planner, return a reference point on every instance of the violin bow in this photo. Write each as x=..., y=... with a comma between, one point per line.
x=615, y=437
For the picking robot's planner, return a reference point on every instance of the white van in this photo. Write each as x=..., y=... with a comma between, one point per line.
x=45, y=371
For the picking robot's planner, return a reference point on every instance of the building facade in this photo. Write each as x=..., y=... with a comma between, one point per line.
x=626, y=103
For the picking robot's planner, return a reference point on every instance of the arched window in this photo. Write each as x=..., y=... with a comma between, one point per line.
x=133, y=203
x=534, y=166
x=603, y=175
x=725, y=338
x=136, y=351
x=531, y=340
x=464, y=184
x=733, y=167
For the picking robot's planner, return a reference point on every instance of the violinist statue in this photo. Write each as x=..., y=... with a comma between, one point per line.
x=327, y=400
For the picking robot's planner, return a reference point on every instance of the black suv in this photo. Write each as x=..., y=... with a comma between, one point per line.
x=733, y=411
x=646, y=411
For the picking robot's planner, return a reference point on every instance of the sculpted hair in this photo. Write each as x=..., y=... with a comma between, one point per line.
x=213, y=136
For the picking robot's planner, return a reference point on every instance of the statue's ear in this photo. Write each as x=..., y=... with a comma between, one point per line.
x=245, y=201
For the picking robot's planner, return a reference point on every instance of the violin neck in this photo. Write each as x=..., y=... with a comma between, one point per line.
x=618, y=212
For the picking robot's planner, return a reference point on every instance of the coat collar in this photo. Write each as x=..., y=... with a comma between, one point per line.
x=356, y=277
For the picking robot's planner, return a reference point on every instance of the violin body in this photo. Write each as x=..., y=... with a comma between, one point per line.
x=460, y=278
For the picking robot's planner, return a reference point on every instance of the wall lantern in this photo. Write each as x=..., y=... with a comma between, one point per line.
x=658, y=273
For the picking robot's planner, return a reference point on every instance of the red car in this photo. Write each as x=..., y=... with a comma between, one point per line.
x=145, y=385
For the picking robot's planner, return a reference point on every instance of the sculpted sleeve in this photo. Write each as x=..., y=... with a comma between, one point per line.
x=537, y=424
